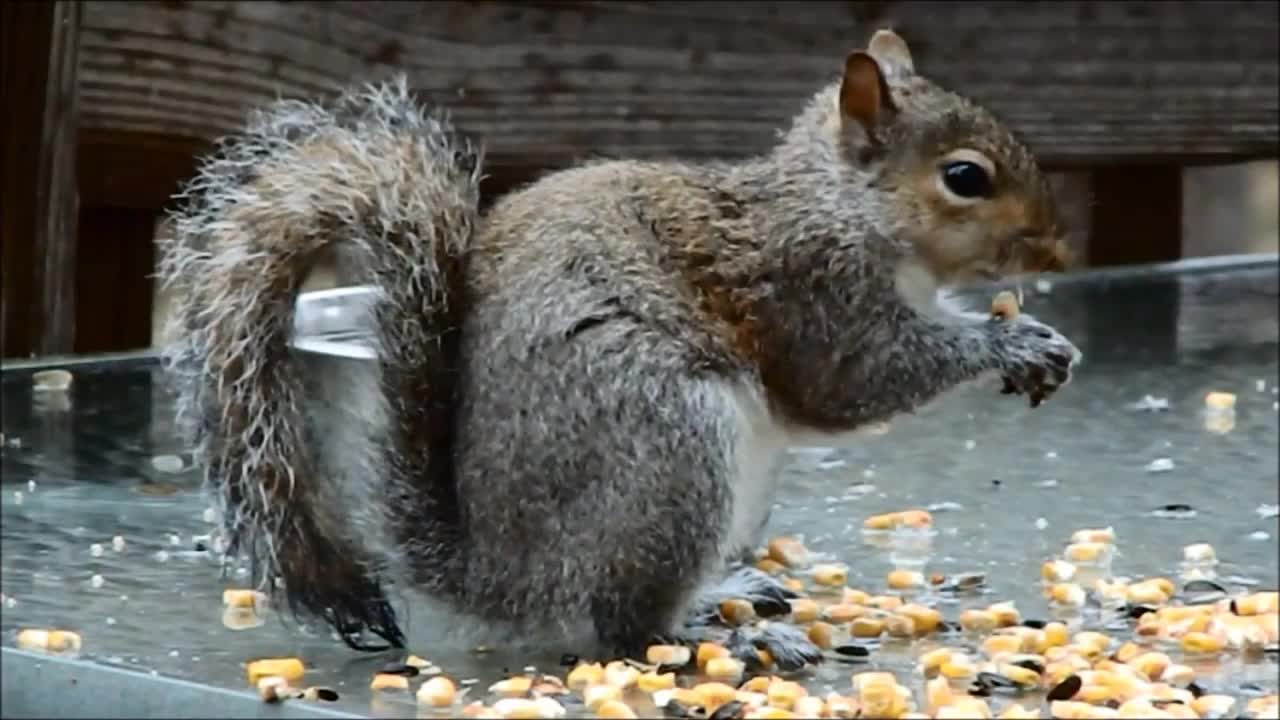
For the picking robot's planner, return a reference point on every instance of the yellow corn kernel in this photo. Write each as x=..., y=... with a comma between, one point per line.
x=1032, y=639
x=1201, y=643
x=881, y=700
x=290, y=669
x=1087, y=553
x=1136, y=708
x=585, y=674
x=652, y=682
x=803, y=610
x=49, y=640
x=1093, y=694
x=1127, y=651
x=784, y=694
x=830, y=575
x=839, y=706
x=905, y=579
x=593, y=696
x=614, y=709
x=958, y=667
x=998, y=645
x=810, y=707
x=707, y=651
x=620, y=674
x=674, y=655
x=930, y=661
x=1057, y=571
x=1020, y=674
x=866, y=627
x=842, y=613
x=1056, y=634
x=1006, y=614
x=1104, y=535
x=714, y=694
x=1180, y=675
x=235, y=598
x=793, y=584
x=769, y=566
x=1215, y=400
x=1259, y=603
x=914, y=518
x=1150, y=664
x=517, y=686
x=788, y=551
x=388, y=681
x=438, y=691
x=737, y=611
x=1146, y=593
x=1017, y=712
x=965, y=707
x=1096, y=640
x=1068, y=594
x=1070, y=710
x=850, y=596
x=872, y=677
x=937, y=694
x=926, y=619
x=974, y=620
x=757, y=684
x=899, y=626
x=1200, y=554
x=724, y=668
x=520, y=709
x=888, y=603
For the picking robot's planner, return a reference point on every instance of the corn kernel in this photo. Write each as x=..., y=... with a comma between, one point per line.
x=620, y=674
x=1200, y=554
x=1070, y=710
x=1005, y=613
x=1105, y=535
x=1093, y=694
x=652, y=682
x=388, y=681
x=958, y=668
x=926, y=619
x=707, y=651
x=1179, y=675
x=866, y=627
x=885, y=602
x=839, y=706
x=1213, y=705
x=714, y=694
x=1220, y=400
x=803, y=610
x=673, y=655
x=1096, y=640
x=1020, y=674
x=810, y=707
x=615, y=709
x=905, y=579
x=232, y=597
x=1201, y=643
x=830, y=575
x=784, y=694
x=933, y=659
x=737, y=611
x=966, y=708
x=1145, y=593
x=517, y=686
x=769, y=566
x=769, y=713
x=1150, y=664
x=974, y=620
x=793, y=584
x=1259, y=603
x=998, y=645
x=585, y=674
x=850, y=596
x=1057, y=571
x=881, y=700
x=438, y=691
x=1091, y=553
x=1055, y=634
x=1137, y=708
x=724, y=668
x=900, y=626
x=842, y=613
x=937, y=694
x=290, y=669
x=593, y=696
x=1017, y=712
x=788, y=551
x=1067, y=594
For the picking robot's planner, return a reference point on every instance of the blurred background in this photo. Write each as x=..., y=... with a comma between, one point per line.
x=1158, y=120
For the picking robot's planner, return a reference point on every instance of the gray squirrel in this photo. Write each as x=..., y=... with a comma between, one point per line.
x=581, y=393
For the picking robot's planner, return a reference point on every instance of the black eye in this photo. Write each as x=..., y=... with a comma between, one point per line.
x=967, y=180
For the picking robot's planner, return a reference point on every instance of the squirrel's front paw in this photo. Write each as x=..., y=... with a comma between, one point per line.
x=1035, y=359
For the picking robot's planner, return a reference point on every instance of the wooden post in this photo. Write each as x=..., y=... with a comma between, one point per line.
x=41, y=41
x=1137, y=215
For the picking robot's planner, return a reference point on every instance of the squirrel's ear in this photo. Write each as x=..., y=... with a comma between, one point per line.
x=891, y=50
x=864, y=94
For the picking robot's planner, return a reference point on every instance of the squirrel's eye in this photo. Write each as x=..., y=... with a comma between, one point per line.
x=967, y=180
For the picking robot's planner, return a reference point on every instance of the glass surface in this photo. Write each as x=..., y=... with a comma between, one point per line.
x=1007, y=485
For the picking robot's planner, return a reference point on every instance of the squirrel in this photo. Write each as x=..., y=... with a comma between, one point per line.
x=581, y=393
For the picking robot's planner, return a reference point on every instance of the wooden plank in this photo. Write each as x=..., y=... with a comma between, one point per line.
x=39, y=188
x=544, y=83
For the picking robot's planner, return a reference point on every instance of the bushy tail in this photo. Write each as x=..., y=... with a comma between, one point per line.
x=372, y=170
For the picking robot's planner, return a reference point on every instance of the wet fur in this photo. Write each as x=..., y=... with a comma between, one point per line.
x=564, y=431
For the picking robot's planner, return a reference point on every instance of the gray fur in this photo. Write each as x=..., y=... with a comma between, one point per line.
x=560, y=437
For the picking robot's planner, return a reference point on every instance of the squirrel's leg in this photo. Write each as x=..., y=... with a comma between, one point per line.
x=600, y=490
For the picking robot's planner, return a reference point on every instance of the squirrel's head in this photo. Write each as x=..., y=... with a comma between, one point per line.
x=953, y=179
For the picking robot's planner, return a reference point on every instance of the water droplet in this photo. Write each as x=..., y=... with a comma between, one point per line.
x=117, y=543
x=210, y=515
x=111, y=621
x=97, y=581
x=1160, y=465
x=162, y=556
x=970, y=444
x=31, y=486
x=17, y=497
x=1041, y=523
x=96, y=550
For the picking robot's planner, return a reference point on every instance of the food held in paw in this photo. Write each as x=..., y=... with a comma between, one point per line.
x=1005, y=306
